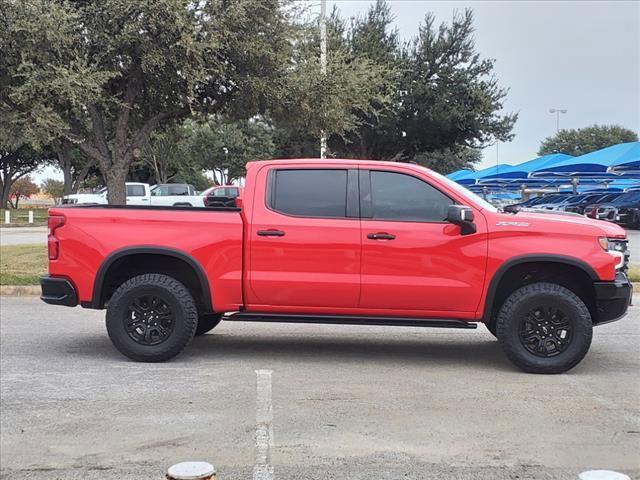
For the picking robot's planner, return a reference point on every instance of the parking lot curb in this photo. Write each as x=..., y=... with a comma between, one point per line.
x=20, y=290
x=34, y=290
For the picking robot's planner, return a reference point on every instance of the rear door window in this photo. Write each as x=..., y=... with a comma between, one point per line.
x=178, y=190
x=309, y=192
x=135, y=191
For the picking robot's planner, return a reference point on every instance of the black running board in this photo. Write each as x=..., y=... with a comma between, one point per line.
x=349, y=320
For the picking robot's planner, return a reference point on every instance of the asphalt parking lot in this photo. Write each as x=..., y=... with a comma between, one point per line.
x=22, y=235
x=348, y=403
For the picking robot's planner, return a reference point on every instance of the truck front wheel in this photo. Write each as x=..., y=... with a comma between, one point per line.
x=544, y=328
x=151, y=318
x=206, y=322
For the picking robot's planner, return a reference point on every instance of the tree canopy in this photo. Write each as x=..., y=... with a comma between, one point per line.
x=446, y=103
x=15, y=163
x=113, y=71
x=225, y=147
x=22, y=188
x=585, y=140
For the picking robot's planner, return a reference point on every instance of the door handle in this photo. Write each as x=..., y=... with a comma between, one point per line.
x=271, y=233
x=381, y=236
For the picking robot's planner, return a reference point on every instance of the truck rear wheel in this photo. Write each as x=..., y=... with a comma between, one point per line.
x=151, y=318
x=207, y=322
x=544, y=328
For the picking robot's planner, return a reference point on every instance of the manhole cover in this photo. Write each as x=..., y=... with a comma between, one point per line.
x=191, y=471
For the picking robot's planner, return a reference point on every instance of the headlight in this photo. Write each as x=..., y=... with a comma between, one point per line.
x=617, y=248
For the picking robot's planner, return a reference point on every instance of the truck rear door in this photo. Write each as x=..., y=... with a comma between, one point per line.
x=137, y=194
x=304, y=239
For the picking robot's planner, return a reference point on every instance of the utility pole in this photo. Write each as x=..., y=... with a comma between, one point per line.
x=323, y=65
x=557, y=111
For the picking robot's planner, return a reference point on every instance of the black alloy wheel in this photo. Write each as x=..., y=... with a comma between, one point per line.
x=151, y=317
x=149, y=320
x=544, y=328
x=546, y=331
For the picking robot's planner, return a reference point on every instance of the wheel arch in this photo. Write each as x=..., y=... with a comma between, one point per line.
x=493, y=295
x=194, y=270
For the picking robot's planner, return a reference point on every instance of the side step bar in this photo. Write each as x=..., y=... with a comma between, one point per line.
x=348, y=320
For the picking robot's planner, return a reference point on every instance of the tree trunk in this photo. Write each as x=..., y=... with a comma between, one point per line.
x=5, y=194
x=116, y=188
x=68, y=179
x=64, y=161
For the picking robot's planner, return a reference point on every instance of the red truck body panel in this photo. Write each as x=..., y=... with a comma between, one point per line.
x=330, y=265
x=212, y=238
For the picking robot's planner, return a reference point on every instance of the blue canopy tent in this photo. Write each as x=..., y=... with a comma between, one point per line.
x=473, y=177
x=628, y=161
x=592, y=164
x=523, y=170
x=459, y=174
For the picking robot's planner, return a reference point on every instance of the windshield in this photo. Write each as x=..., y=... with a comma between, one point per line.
x=481, y=202
x=627, y=197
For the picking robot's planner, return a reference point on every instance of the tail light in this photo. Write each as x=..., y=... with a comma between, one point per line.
x=54, y=222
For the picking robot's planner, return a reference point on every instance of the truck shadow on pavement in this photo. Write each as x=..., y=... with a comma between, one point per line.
x=436, y=351
x=483, y=353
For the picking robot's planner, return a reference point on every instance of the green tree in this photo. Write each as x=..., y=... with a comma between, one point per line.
x=106, y=74
x=446, y=102
x=15, y=163
x=22, y=188
x=309, y=103
x=585, y=140
x=225, y=147
x=54, y=188
x=166, y=156
x=75, y=166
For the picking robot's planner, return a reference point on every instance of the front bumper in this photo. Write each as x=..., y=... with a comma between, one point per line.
x=613, y=298
x=58, y=291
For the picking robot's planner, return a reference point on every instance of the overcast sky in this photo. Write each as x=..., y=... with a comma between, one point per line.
x=583, y=56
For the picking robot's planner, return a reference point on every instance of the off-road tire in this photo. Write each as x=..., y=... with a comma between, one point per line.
x=177, y=298
x=207, y=322
x=547, y=295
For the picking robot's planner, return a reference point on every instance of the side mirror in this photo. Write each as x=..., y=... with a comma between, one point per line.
x=463, y=216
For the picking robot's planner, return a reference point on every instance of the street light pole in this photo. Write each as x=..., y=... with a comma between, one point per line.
x=557, y=111
x=323, y=65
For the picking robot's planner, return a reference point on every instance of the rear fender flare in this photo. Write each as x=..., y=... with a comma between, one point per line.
x=96, y=300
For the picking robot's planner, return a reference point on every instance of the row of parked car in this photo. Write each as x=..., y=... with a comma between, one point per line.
x=165, y=194
x=619, y=207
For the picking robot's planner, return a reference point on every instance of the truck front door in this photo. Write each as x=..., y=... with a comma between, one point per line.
x=304, y=239
x=412, y=259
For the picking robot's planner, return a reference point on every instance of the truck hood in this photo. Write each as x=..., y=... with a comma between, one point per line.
x=550, y=222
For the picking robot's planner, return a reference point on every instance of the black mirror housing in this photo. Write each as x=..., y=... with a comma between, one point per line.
x=463, y=216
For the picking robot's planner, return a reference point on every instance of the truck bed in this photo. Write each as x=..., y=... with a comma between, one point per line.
x=95, y=236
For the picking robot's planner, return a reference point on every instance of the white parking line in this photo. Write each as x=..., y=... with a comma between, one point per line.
x=263, y=470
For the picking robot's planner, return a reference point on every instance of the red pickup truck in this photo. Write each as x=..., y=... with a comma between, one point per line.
x=342, y=242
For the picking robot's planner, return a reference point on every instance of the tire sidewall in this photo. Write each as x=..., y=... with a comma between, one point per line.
x=183, y=329
x=510, y=321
